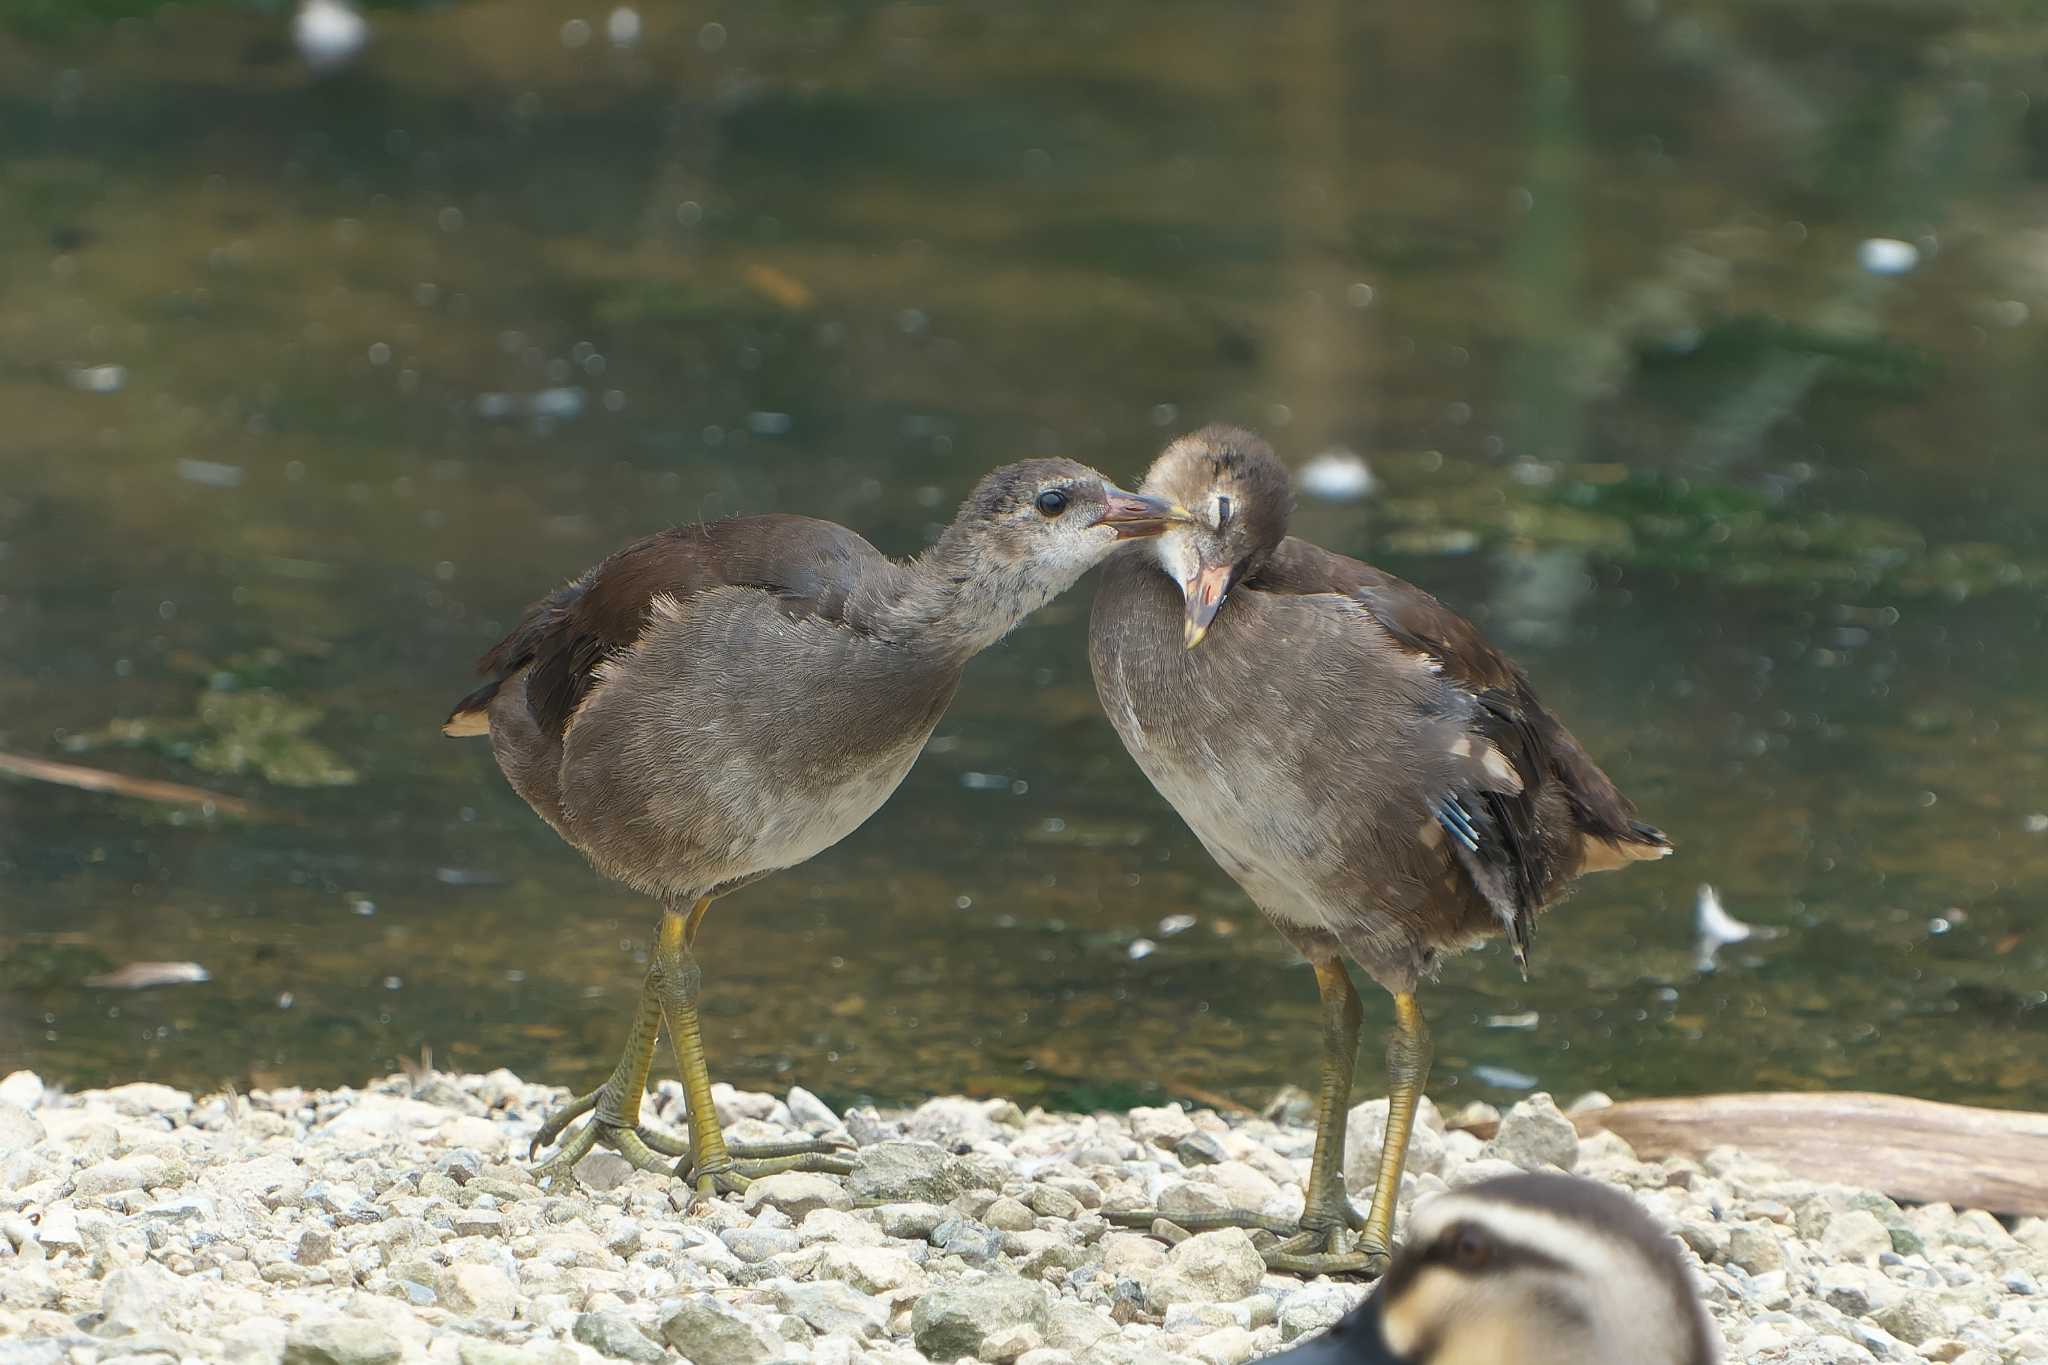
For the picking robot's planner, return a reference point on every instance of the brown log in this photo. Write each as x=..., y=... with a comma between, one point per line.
x=1916, y=1151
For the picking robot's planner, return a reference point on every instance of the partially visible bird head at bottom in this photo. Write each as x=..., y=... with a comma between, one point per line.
x=1231, y=498
x=1526, y=1270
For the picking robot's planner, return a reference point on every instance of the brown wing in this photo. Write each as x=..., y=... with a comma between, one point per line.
x=810, y=568
x=1497, y=823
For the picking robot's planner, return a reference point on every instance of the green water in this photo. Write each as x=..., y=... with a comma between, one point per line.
x=1580, y=282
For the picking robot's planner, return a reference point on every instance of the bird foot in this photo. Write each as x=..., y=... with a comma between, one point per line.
x=745, y=1163
x=629, y=1143
x=1322, y=1252
x=1288, y=1246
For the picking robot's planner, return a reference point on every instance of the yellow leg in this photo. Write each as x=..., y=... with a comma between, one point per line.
x=1315, y=1244
x=1408, y=1056
x=681, y=983
x=614, y=1106
x=713, y=1168
x=1343, y=1015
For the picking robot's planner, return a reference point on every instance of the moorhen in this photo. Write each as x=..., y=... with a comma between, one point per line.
x=1526, y=1270
x=1379, y=779
x=719, y=701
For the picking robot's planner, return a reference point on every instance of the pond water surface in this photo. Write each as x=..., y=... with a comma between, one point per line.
x=311, y=384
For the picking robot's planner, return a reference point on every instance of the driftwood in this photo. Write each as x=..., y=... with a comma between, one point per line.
x=120, y=784
x=1916, y=1151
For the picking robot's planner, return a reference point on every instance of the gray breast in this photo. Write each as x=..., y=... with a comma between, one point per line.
x=732, y=740
x=1288, y=745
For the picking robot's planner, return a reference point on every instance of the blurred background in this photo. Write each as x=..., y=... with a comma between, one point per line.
x=1696, y=349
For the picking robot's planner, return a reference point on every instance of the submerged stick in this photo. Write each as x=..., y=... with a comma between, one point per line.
x=119, y=784
x=1916, y=1151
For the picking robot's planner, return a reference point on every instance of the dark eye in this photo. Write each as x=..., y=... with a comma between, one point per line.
x=1222, y=510
x=1470, y=1250
x=1052, y=502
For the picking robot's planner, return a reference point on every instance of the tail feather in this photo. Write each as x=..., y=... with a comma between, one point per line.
x=471, y=715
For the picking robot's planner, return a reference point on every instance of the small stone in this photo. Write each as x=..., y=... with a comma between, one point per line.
x=1854, y=1289
x=340, y=1341
x=603, y=1172
x=1756, y=1248
x=136, y=1297
x=1314, y=1308
x=273, y=1181
x=1161, y=1127
x=1535, y=1137
x=1048, y=1201
x=914, y=1220
x=796, y=1193
x=968, y=1317
x=58, y=1229
x=1912, y=1320
x=872, y=1270
x=758, y=1244
x=712, y=1333
x=22, y=1089
x=1210, y=1267
x=1075, y=1328
x=810, y=1111
x=1130, y=1255
x=973, y=1242
x=1855, y=1236
x=618, y=1336
x=19, y=1129
x=1011, y=1215
x=106, y=1177
x=1184, y=1198
x=479, y=1223
x=1046, y=1355
x=482, y=1291
x=254, y=1341
x=900, y=1172
x=1231, y=1345
x=832, y=1307
x=1200, y=1149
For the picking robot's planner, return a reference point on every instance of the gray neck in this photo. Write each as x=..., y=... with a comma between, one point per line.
x=953, y=600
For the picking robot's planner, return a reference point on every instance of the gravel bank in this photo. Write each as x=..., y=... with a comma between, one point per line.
x=397, y=1223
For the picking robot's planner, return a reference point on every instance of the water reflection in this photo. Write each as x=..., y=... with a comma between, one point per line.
x=312, y=383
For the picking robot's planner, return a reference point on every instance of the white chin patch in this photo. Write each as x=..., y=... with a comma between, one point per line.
x=1178, y=556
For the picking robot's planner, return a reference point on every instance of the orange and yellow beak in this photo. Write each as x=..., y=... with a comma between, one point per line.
x=1205, y=593
x=1133, y=516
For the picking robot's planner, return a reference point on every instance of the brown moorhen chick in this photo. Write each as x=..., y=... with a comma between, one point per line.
x=1380, y=780
x=719, y=701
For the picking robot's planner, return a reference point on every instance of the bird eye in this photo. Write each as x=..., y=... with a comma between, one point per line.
x=1052, y=502
x=1470, y=1250
x=1222, y=511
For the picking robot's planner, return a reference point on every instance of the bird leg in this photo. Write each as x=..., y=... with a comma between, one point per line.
x=709, y=1164
x=616, y=1120
x=615, y=1106
x=1408, y=1056
x=1314, y=1244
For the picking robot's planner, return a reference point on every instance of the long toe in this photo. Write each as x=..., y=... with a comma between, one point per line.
x=1304, y=1251
x=627, y=1142
x=556, y=1123
x=751, y=1161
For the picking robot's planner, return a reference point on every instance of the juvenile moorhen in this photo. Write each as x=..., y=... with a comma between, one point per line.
x=1382, y=782
x=1526, y=1270
x=719, y=701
